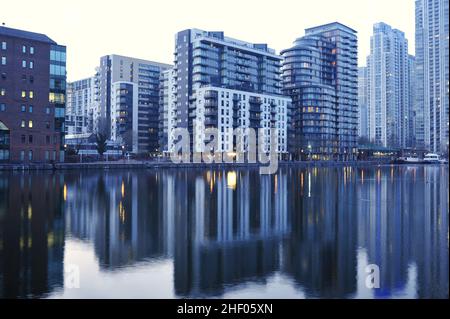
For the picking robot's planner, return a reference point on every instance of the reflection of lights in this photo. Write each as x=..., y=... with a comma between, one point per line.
x=378, y=175
x=30, y=211
x=309, y=184
x=301, y=181
x=123, y=189
x=231, y=180
x=65, y=192
x=276, y=184
x=121, y=212
x=362, y=176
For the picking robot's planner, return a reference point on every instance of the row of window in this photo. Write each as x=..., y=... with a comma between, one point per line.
x=23, y=108
x=24, y=48
x=47, y=139
x=23, y=94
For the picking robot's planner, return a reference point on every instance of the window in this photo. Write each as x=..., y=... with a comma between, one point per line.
x=30, y=109
x=22, y=155
x=30, y=124
x=30, y=139
x=24, y=94
x=47, y=110
x=2, y=107
x=31, y=64
x=2, y=92
x=30, y=155
x=24, y=49
x=23, y=139
x=3, y=60
x=31, y=50
x=47, y=125
x=47, y=139
x=24, y=64
x=3, y=45
x=31, y=94
x=22, y=123
x=23, y=108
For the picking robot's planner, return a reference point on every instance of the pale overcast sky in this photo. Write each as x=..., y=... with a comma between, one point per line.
x=146, y=28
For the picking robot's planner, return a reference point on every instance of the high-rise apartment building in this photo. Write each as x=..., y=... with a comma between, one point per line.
x=225, y=83
x=320, y=73
x=144, y=119
x=362, y=103
x=388, y=73
x=32, y=97
x=81, y=105
x=167, y=109
x=432, y=74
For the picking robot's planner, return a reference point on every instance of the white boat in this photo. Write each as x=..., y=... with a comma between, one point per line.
x=412, y=160
x=431, y=158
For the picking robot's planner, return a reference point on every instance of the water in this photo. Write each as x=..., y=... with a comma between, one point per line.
x=302, y=233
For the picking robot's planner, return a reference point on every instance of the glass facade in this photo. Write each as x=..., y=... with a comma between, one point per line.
x=320, y=75
x=57, y=96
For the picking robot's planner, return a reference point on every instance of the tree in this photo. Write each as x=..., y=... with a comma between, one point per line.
x=101, y=143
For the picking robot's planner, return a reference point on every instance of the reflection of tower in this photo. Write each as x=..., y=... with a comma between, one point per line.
x=320, y=253
x=232, y=236
x=31, y=235
x=123, y=215
x=431, y=232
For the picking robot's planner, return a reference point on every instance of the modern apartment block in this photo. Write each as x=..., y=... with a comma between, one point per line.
x=432, y=74
x=167, y=109
x=124, y=115
x=362, y=103
x=81, y=105
x=389, y=109
x=320, y=74
x=225, y=83
x=145, y=119
x=32, y=97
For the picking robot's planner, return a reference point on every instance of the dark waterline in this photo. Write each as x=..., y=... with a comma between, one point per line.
x=302, y=233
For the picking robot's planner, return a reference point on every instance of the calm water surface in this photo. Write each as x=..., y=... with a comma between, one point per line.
x=302, y=233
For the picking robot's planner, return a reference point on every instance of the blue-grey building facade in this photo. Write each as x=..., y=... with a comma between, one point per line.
x=320, y=74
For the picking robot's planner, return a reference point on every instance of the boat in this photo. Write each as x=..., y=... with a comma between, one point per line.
x=431, y=158
x=408, y=160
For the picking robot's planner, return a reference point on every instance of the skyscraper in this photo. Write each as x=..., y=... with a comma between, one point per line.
x=432, y=74
x=143, y=120
x=226, y=83
x=32, y=97
x=389, y=87
x=362, y=103
x=320, y=73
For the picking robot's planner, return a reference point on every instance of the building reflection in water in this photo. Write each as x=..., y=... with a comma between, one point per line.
x=31, y=234
x=316, y=227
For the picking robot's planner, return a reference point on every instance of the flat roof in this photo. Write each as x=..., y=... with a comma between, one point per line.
x=324, y=26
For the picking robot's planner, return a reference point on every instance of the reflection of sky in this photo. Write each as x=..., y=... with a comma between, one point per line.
x=143, y=280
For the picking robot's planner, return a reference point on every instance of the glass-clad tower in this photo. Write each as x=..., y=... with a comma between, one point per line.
x=432, y=75
x=320, y=73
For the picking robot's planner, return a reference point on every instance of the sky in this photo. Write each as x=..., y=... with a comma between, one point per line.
x=146, y=28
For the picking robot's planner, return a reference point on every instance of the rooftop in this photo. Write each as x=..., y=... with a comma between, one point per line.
x=330, y=26
x=25, y=35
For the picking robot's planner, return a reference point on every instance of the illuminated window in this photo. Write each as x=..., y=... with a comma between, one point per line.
x=31, y=94
x=22, y=124
x=30, y=124
x=2, y=92
x=24, y=93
